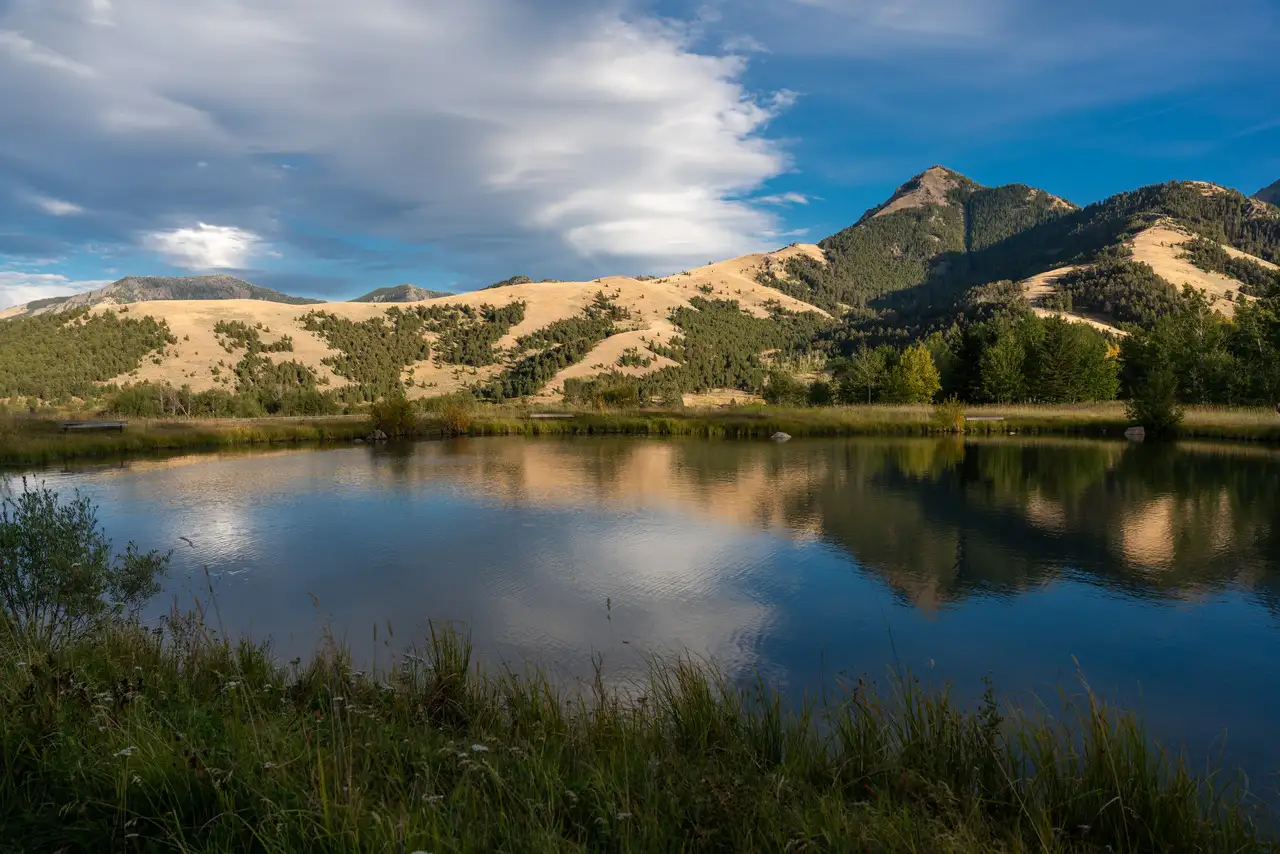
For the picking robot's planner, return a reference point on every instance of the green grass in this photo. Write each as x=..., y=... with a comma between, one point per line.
x=27, y=441
x=134, y=740
x=37, y=441
x=753, y=422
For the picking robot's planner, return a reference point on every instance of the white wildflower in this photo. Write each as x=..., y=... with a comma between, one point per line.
x=479, y=748
x=128, y=751
x=623, y=816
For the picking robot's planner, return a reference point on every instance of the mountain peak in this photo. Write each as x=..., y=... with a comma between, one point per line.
x=1269, y=194
x=401, y=293
x=930, y=187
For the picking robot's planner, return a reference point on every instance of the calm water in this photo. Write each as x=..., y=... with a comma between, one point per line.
x=1158, y=569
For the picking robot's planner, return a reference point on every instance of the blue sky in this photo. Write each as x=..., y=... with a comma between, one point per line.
x=326, y=147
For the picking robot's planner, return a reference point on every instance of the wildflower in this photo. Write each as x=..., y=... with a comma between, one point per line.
x=136, y=779
x=231, y=686
x=479, y=748
x=337, y=700
x=434, y=799
x=267, y=766
x=128, y=751
x=623, y=816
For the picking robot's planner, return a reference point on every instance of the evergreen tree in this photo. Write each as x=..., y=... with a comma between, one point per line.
x=1002, y=373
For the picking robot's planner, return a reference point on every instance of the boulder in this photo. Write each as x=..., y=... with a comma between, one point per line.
x=1135, y=434
x=376, y=436
x=780, y=436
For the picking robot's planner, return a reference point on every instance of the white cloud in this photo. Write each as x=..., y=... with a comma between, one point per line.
x=17, y=288
x=56, y=207
x=483, y=125
x=23, y=49
x=743, y=43
x=783, y=199
x=205, y=247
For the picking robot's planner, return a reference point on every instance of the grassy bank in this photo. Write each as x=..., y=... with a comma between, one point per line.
x=31, y=441
x=37, y=441
x=133, y=740
x=755, y=422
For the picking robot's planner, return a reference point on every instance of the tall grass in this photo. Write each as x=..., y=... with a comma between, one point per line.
x=26, y=441
x=180, y=739
x=751, y=422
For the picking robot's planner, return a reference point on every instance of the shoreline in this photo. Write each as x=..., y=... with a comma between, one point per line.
x=37, y=441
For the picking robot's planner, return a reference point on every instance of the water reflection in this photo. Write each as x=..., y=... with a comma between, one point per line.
x=1157, y=567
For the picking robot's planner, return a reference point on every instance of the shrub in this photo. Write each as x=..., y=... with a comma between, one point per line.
x=58, y=577
x=1154, y=402
x=394, y=416
x=782, y=389
x=949, y=415
x=454, y=411
x=821, y=393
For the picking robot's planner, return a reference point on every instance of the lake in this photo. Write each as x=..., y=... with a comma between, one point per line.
x=1156, y=568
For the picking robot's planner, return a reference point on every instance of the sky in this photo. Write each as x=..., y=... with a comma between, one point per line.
x=329, y=147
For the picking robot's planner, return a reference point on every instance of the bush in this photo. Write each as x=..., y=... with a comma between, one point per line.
x=1154, y=403
x=949, y=415
x=782, y=389
x=454, y=411
x=821, y=393
x=58, y=577
x=394, y=416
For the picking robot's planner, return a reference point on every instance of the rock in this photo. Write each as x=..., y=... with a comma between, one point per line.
x=780, y=436
x=376, y=436
x=1135, y=434
x=357, y=440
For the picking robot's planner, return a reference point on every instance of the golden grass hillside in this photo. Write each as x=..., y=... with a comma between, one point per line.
x=198, y=359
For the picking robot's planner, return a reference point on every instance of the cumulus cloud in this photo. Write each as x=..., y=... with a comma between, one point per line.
x=205, y=247
x=569, y=135
x=17, y=287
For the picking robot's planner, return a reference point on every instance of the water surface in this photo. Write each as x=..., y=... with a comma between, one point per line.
x=1156, y=568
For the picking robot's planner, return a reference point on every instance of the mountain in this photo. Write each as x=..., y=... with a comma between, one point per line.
x=1151, y=226
x=1270, y=194
x=941, y=254
x=895, y=245
x=133, y=289
x=401, y=293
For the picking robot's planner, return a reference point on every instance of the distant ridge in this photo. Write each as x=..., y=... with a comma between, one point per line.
x=133, y=289
x=401, y=293
x=1269, y=194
